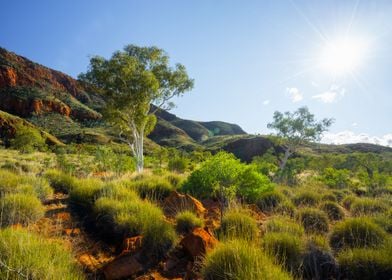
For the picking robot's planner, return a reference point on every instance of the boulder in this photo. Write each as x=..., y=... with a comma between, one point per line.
x=122, y=267
x=132, y=244
x=177, y=202
x=198, y=242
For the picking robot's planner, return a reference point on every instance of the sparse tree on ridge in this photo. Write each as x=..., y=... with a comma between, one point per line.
x=297, y=128
x=131, y=82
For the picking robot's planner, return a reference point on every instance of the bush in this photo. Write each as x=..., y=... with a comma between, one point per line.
x=251, y=184
x=356, y=232
x=286, y=248
x=366, y=264
x=235, y=260
x=333, y=210
x=35, y=258
x=20, y=209
x=286, y=208
x=158, y=238
x=217, y=173
x=268, y=201
x=176, y=180
x=28, y=140
x=238, y=224
x=60, y=181
x=178, y=164
x=306, y=198
x=336, y=178
x=186, y=221
x=313, y=220
x=367, y=207
x=285, y=225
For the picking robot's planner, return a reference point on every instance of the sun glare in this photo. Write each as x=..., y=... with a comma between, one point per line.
x=343, y=56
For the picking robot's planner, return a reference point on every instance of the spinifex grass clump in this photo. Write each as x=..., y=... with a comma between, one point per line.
x=20, y=208
x=306, y=198
x=348, y=201
x=238, y=224
x=333, y=210
x=152, y=187
x=357, y=233
x=366, y=263
x=24, y=255
x=235, y=260
x=186, y=221
x=18, y=183
x=84, y=193
x=367, y=207
x=61, y=181
x=269, y=201
x=313, y=220
x=286, y=248
x=284, y=225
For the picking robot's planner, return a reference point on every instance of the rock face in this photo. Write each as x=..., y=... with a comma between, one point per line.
x=198, y=242
x=177, y=202
x=132, y=245
x=123, y=267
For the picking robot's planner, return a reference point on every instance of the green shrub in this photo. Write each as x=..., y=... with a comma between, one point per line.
x=178, y=164
x=238, y=224
x=186, y=221
x=20, y=209
x=252, y=184
x=29, y=256
x=286, y=248
x=306, y=198
x=28, y=140
x=366, y=264
x=60, y=181
x=235, y=260
x=268, y=201
x=313, y=220
x=152, y=187
x=367, y=207
x=158, y=237
x=216, y=174
x=176, y=180
x=283, y=224
x=356, y=232
x=336, y=178
x=333, y=210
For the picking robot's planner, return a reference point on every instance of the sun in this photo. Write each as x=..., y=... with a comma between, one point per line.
x=343, y=56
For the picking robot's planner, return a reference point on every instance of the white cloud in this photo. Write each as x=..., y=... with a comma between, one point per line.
x=294, y=94
x=349, y=137
x=313, y=83
x=266, y=102
x=354, y=124
x=334, y=93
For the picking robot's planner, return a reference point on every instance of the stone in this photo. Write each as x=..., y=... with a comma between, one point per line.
x=198, y=242
x=122, y=267
x=177, y=202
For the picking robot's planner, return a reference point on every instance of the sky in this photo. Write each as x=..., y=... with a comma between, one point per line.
x=248, y=58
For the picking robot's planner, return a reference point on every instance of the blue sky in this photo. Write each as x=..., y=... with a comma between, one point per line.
x=248, y=58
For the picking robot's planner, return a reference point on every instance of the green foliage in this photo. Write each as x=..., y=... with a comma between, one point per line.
x=286, y=248
x=366, y=263
x=152, y=187
x=237, y=260
x=84, y=193
x=186, y=221
x=348, y=201
x=268, y=201
x=108, y=160
x=238, y=224
x=306, y=198
x=20, y=209
x=356, y=232
x=252, y=184
x=29, y=256
x=313, y=220
x=178, y=164
x=333, y=210
x=336, y=178
x=286, y=207
x=367, y=207
x=28, y=140
x=281, y=224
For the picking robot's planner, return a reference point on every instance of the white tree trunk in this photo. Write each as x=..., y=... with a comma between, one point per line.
x=283, y=163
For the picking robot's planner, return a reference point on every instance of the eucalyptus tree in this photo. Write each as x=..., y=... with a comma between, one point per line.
x=135, y=83
x=297, y=128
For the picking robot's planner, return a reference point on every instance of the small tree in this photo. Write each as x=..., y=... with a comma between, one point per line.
x=297, y=128
x=131, y=82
